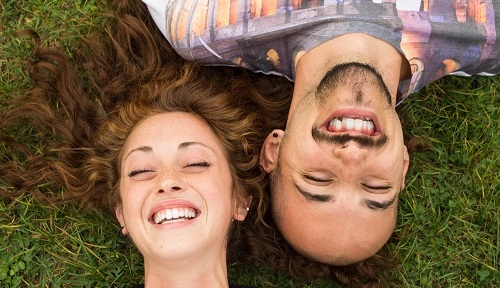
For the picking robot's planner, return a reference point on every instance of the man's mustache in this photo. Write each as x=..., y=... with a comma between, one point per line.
x=344, y=138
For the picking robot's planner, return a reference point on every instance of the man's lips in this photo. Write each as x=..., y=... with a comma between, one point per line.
x=353, y=121
x=173, y=211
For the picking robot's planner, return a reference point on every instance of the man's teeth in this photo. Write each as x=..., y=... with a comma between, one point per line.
x=342, y=124
x=174, y=214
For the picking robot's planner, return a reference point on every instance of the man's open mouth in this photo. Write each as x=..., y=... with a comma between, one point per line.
x=342, y=123
x=350, y=123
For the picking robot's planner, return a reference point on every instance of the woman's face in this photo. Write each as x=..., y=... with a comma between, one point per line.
x=176, y=188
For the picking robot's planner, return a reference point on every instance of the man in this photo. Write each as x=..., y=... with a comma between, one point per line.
x=338, y=169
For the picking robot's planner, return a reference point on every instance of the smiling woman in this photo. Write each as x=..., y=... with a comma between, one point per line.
x=177, y=189
x=168, y=146
x=177, y=178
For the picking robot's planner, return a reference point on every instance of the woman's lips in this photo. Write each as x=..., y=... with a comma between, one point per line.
x=174, y=215
x=173, y=211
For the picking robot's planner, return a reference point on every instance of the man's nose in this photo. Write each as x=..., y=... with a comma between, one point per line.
x=349, y=153
x=170, y=181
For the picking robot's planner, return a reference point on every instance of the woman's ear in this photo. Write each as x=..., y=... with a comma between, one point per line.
x=119, y=216
x=270, y=150
x=242, y=206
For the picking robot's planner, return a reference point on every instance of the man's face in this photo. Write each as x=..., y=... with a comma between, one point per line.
x=340, y=167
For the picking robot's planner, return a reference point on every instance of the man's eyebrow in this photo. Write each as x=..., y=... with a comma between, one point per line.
x=313, y=197
x=376, y=205
x=371, y=204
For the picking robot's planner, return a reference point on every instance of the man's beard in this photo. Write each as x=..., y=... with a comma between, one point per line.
x=354, y=75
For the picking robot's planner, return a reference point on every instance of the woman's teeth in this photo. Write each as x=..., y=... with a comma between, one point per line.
x=345, y=123
x=174, y=214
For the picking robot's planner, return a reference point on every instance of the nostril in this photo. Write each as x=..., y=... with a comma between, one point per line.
x=161, y=191
x=176, y=188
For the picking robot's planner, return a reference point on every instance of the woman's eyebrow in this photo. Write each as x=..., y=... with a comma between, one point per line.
x=142, y=148
x=185, y=145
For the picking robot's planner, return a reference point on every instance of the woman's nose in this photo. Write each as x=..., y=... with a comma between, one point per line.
x=170, y=182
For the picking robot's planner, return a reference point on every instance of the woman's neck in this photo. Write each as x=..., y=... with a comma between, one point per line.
x=198, y=272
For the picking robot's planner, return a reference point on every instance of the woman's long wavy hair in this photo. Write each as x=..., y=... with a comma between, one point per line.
x=83, y=115
x=206, y=95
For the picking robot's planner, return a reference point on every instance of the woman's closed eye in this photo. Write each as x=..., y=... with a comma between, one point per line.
x=138, y=171
x=196, y=166
x=199, y=164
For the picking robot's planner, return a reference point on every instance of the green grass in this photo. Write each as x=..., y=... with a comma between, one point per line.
x=449, y=214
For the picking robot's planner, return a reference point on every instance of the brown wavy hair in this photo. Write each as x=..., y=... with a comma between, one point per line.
x=82, y=109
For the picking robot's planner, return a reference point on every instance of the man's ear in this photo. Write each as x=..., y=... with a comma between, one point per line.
x=406, y=164
x=270, y=150
x=119, y=216
x=242, y=207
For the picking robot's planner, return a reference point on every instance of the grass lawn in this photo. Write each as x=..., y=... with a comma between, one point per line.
x=449, y=215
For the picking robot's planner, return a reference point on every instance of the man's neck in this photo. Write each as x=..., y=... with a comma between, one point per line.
x=362, y=48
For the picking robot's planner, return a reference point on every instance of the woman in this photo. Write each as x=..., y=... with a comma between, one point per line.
x=170, y=147
x=182, y=163
x=177, y=162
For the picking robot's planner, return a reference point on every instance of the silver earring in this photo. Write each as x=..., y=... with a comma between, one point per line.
x=248, y=209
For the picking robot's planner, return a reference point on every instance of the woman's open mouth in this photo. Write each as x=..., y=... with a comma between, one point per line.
x=173, y=215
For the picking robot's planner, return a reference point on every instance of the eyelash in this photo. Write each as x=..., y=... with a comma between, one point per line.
x=135, y=172
x=195, y=164
x=199, y=164
x=312, y=178
x=376, y=187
